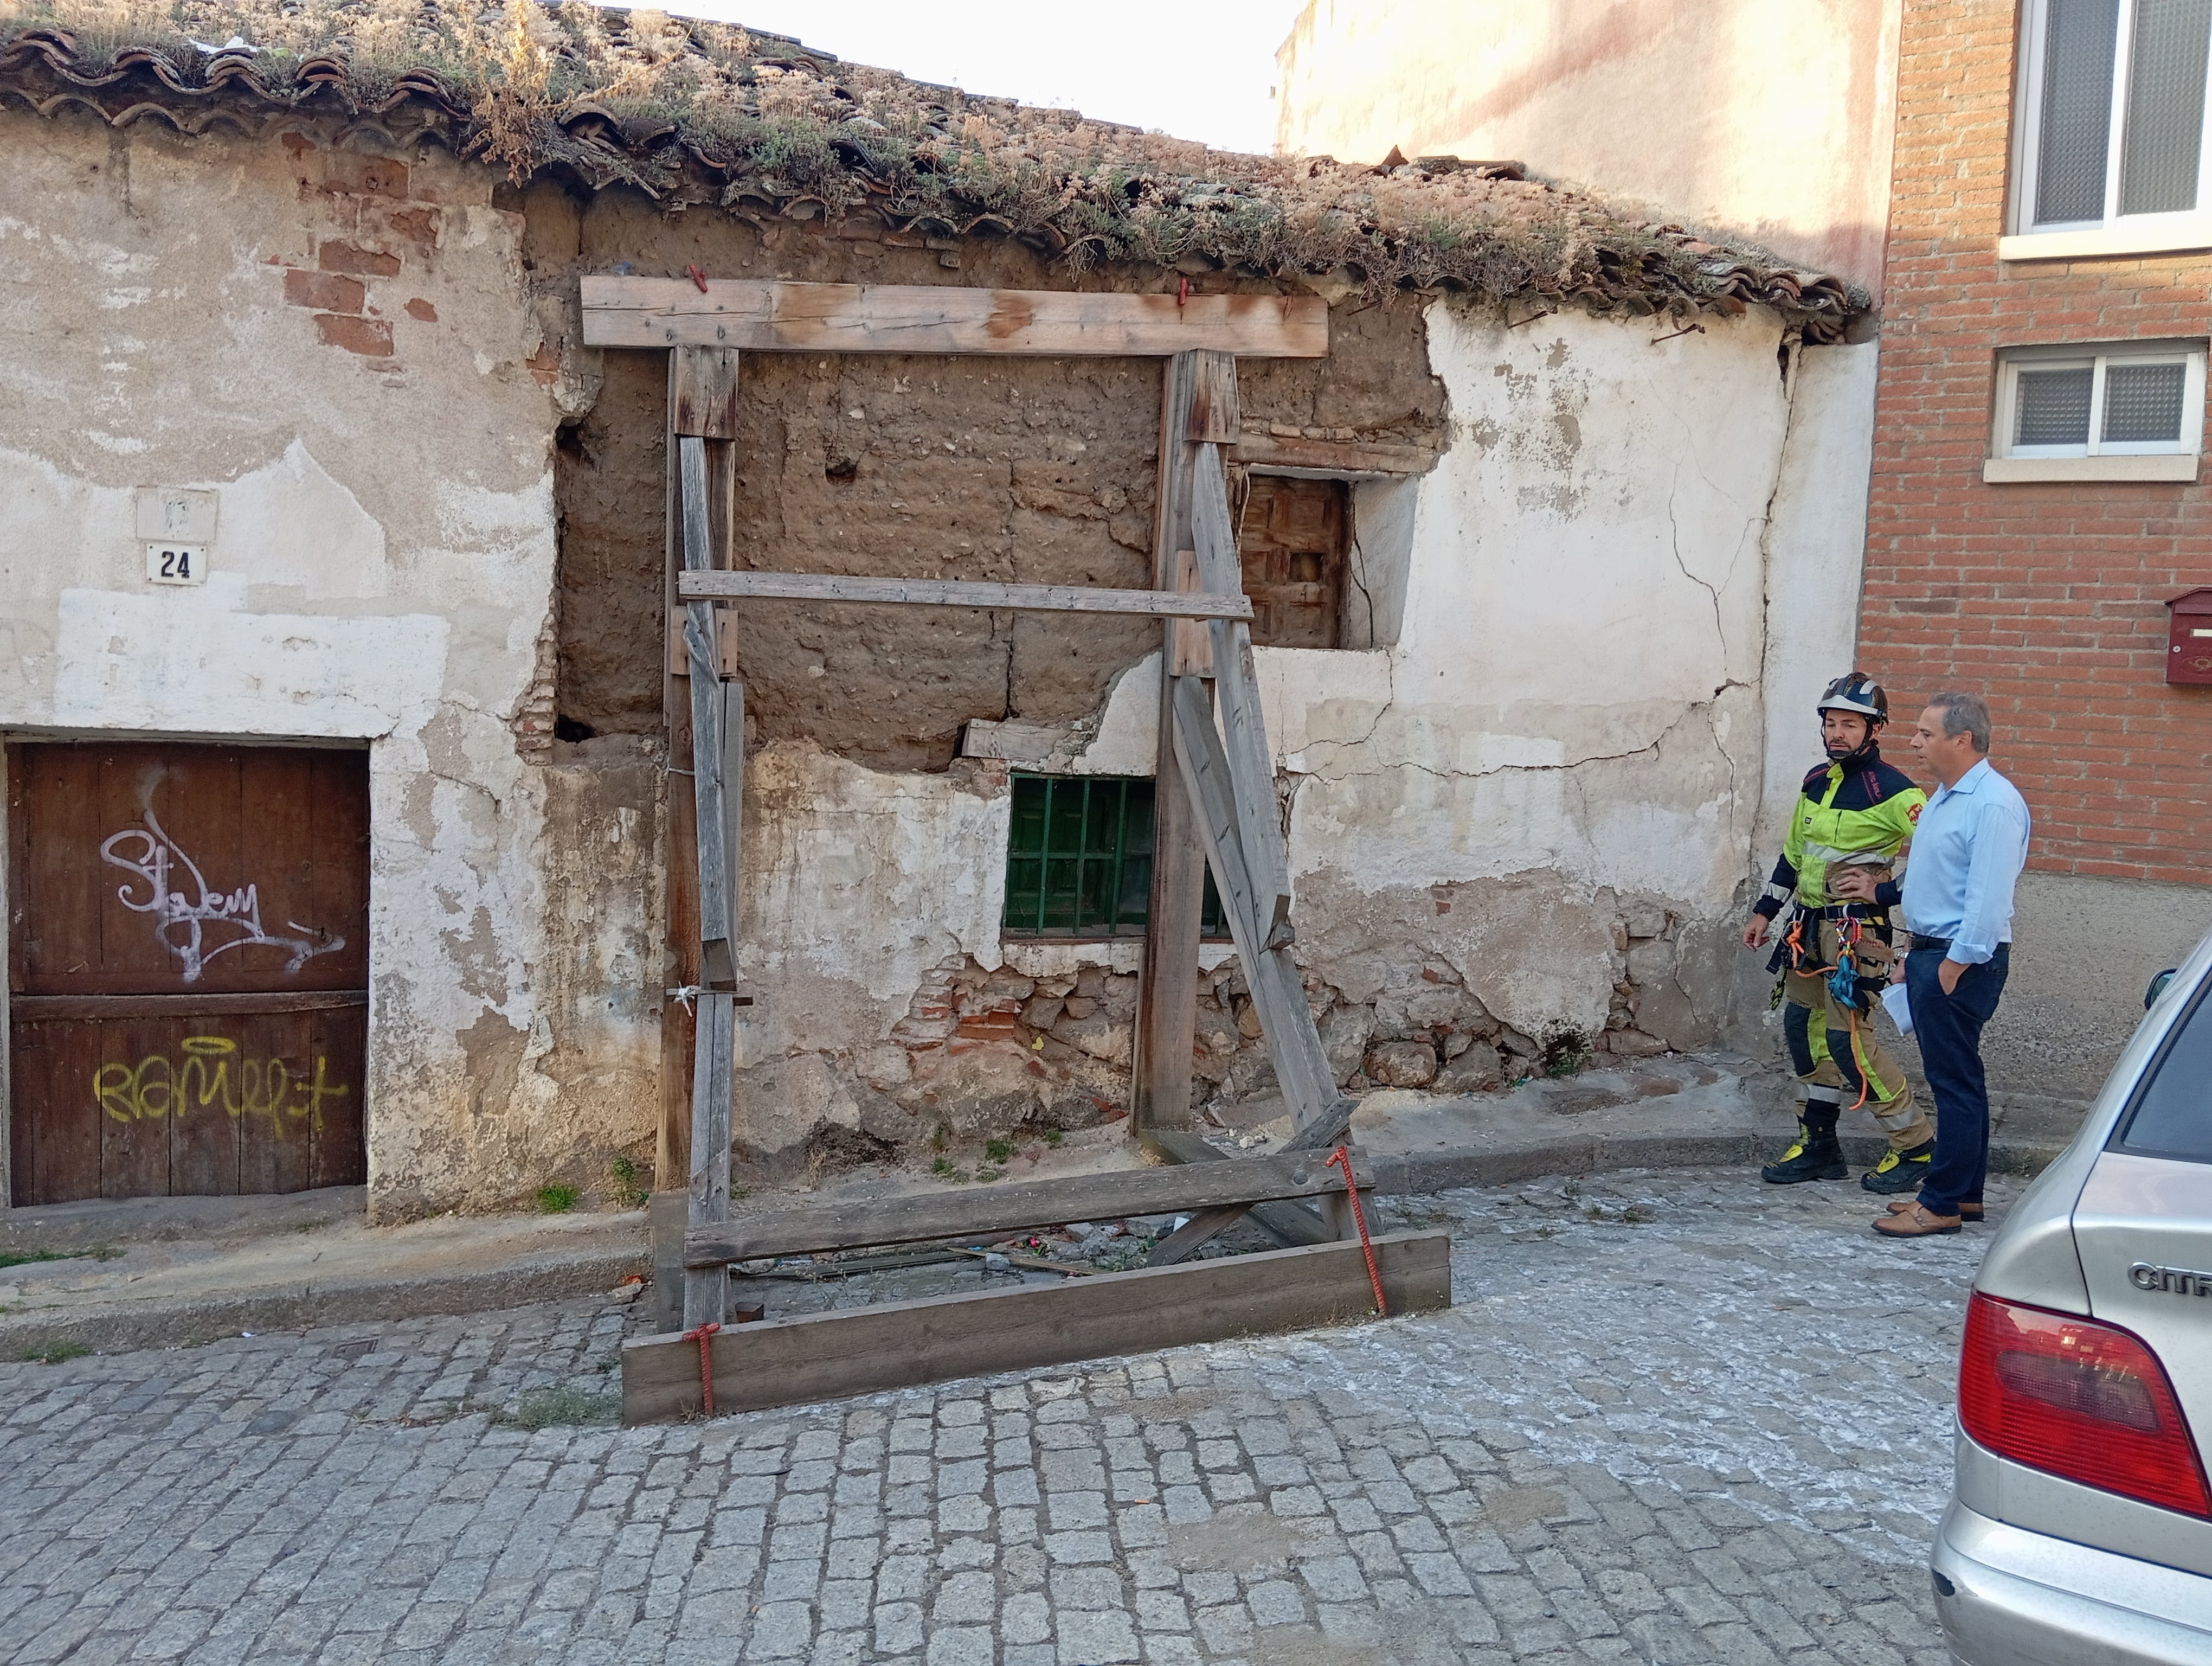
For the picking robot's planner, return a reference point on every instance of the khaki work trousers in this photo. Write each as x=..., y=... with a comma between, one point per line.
x=1834, y=1047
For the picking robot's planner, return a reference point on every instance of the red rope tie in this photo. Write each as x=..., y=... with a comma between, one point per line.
x=1341, y=1159
x=706, y=1360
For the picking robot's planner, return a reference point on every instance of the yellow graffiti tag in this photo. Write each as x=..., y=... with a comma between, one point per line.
x=214, y=1073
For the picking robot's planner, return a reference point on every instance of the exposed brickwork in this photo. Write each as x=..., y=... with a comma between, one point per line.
x=2047, y=598
x=352, y=258
x=325, y=292
x=533, y=718
x=364, y=228
x=371, y=337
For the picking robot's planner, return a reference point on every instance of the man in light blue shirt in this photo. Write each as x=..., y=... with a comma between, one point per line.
x=1968, y=849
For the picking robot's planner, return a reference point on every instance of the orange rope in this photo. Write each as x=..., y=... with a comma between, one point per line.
x=1341, y=1159
x=705, y=1363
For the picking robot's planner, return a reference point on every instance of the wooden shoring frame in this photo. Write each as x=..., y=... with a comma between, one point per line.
x=1226, y=814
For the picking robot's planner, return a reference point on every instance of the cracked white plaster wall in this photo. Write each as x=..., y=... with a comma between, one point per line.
x=1815, y=557
x=382, y=571
x=854, y=882
x=1576, y=685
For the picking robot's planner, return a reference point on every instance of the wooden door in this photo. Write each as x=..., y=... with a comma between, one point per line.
x=188, y=969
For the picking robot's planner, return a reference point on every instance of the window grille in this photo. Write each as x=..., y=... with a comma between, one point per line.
x=1079, y=859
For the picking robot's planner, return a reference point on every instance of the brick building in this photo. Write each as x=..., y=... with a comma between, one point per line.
x=2035, y=499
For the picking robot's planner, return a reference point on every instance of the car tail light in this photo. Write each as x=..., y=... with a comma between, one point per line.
x=2078, y=1399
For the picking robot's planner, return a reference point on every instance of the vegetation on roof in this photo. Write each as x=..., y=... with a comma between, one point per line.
x=687, y=111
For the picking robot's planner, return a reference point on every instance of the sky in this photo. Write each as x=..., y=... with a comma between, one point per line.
x=1197, y=69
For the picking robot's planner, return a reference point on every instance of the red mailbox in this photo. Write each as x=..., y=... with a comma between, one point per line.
x=2189, y=637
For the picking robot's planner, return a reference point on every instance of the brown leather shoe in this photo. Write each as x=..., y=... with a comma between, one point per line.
x=1969, y=1213
x=1914, y=1222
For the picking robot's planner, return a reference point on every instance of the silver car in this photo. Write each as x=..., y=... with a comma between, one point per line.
x=2079, y=1530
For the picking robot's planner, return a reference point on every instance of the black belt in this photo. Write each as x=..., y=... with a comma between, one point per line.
x=1920, y=942
x=1849, y=911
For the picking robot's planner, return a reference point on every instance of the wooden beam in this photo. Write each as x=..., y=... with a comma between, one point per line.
x=1244, y=729
x=1167, y=990
x=728, y=587
x=764, y=316
x=1215, y=416
x=1278, y=991
x=668, y=1213
x=830, y=1356
x=1209, y=1224
x=1286, y=1222
x=705, y=1289
x=704, y=393
x=718, y=951
x=1278, y=451
x=671, y=1157
x=981, y=1211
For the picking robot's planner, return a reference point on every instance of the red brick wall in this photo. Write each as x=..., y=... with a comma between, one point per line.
x=2045, y=598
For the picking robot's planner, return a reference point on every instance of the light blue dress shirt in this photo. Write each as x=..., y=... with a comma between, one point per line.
x=1968, y=849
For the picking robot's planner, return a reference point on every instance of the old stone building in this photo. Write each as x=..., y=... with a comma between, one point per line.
x=295, y=309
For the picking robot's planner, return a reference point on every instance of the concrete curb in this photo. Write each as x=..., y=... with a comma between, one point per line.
x=1407, y=1176
x=112, y=1329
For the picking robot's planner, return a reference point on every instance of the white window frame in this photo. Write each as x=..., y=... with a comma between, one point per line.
x=2128, y=460
x=2114, y=233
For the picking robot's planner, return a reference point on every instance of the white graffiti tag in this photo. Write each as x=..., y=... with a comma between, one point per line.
x=182, y=923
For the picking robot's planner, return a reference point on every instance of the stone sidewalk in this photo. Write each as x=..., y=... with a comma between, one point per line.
x=1675, y=1416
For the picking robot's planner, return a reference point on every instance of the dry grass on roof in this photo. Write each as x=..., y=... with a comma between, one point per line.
x=689, y=110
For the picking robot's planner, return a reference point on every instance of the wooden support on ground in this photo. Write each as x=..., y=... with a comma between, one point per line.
x=702, y=425
x=982, y=1211
x=701, y=588
x=761, y=315
x=668, y=1213
x=1287, y=1223
x=705, y=1289
x=828, y=1356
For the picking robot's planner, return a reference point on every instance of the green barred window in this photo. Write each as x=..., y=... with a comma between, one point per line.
x=1079, y=859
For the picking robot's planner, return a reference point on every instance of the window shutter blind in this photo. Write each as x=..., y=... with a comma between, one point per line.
x=2080, y=39
x=2165, y=127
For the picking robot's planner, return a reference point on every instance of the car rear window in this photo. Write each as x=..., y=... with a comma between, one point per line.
x=2171, y=1116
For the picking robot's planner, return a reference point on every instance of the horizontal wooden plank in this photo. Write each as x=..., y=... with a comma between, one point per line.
x=765, y=317
x=726, y=586
x=978, y=1211
x=828, y=1356
x=27, y=1009
x=1272, y=451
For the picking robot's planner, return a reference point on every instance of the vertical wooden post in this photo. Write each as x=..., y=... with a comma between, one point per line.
x=705, y=1289
x=1197, y=394
x=701, y=402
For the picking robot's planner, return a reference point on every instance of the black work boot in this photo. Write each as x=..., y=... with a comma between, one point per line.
x=1814, y=1156
x=1900, y=1170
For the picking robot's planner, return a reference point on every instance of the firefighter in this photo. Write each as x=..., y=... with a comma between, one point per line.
x=1830, y=899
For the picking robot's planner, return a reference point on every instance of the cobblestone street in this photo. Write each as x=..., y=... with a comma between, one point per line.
x=1673, y=1417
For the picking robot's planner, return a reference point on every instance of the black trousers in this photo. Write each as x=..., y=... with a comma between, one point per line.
x=1949, y=1030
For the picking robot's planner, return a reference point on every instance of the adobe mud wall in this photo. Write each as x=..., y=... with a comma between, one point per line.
x=1029, y=471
